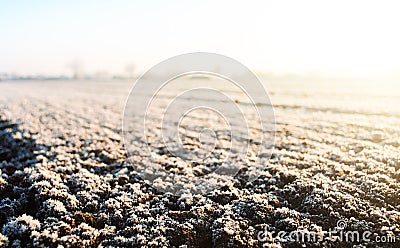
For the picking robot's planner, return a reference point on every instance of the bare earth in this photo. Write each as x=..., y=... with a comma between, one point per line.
x=65, y=178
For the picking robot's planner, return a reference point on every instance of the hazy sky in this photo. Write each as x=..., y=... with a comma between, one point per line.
x=359, y=38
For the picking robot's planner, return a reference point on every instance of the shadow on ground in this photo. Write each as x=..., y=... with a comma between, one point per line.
x=16, y=153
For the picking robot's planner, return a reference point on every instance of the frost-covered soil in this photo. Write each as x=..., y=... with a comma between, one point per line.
x=65, y=179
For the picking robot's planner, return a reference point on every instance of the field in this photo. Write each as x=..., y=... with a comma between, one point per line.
x=65, y=178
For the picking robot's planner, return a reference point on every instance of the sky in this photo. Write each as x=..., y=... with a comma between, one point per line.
x=353, y=38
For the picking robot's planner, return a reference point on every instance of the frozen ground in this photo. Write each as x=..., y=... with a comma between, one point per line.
x=65, y=179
